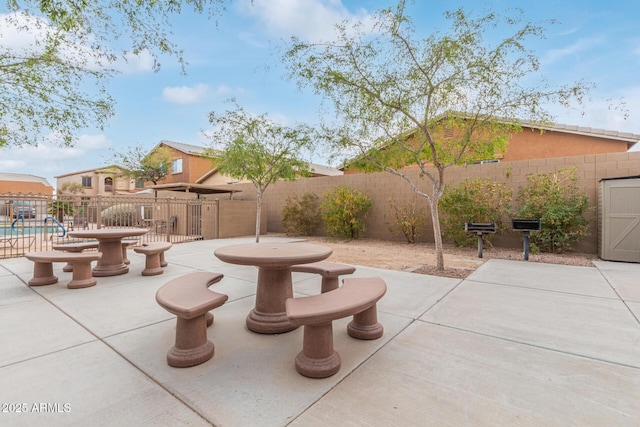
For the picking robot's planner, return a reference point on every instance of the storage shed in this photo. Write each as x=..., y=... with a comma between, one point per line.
x=619, y=219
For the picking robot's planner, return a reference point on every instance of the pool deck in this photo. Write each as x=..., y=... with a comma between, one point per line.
x=515, y=343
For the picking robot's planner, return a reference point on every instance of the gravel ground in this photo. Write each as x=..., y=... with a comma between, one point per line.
x=420, y=257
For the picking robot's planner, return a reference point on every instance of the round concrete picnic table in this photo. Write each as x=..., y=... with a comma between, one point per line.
x=110, y=244
x=274, y=261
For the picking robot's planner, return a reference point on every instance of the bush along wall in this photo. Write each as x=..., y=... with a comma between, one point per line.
x=556, y=200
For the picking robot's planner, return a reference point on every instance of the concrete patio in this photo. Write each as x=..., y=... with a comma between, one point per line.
x=516, y=343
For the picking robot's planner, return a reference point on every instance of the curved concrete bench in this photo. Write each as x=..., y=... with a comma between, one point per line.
x=154, y=261
x=358, y=297
x=330, y=272
x=81, y=263
x=82, y=246
x=189, y=298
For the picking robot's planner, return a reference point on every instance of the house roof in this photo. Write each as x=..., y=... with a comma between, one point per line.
x=630, y=138
x=23, y=178
x=194, y=188
x=315, y=169
x=102, y=169
x=206, y=175
x=185, y=148
x=324, y=170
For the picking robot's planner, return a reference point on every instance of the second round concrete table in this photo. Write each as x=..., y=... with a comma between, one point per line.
x=274, y=261
x=110, y=244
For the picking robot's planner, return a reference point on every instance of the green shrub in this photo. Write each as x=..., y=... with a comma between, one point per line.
x=60, y=209
x=301, y=215
x=479, y=200
x=555, y=199
x=344, y=212
x=409, y=218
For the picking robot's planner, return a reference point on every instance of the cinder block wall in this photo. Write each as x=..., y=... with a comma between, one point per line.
x=239, y=218
x=383, y=186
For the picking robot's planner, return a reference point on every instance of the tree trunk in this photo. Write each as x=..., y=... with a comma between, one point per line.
x=258, y=215
x=437, y=234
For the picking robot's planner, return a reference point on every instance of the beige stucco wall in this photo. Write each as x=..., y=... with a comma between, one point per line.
x=120, y=184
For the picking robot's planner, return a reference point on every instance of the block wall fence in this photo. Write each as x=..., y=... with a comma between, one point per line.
x=383, y=186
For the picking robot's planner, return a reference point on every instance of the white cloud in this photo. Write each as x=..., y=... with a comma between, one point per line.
x=197, y=93
x=26, y=35
x=93, y=142
x=311, y=20
x=224, y=90
x=130, y=64
x=22, y=32
x=186, y=94
x=48, y=159
x=604, y=111
x=12, y=165
x=571, y=50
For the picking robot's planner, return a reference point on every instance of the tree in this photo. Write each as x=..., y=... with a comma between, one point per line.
x=397, y=99
x=258, y=150
x=137, y=163
x=72, y=188
x=57, y=84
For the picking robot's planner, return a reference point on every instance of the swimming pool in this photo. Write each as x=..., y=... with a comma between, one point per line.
x=18, y=230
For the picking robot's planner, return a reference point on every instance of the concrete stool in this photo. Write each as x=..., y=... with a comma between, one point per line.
x=153, y=261
x=330, y=272
x=189, y=298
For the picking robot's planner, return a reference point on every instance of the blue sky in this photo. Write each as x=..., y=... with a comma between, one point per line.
x=593, y=40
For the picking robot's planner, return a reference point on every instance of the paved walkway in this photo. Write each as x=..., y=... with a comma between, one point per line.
x=516, y=343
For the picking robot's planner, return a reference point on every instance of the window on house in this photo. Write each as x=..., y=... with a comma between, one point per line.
x=483, y=162
x=147, y=212
x=176, y=166
x=108, y=184
x=139, y=183
x=448, y=132
x=86, y=181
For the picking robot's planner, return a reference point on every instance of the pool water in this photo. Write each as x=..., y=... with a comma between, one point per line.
x=19, y=230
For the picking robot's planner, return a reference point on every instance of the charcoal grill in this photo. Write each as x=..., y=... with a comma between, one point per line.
x=480, y=229
x=526, y=226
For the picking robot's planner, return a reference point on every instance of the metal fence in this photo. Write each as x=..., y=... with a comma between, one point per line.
x=32, y=223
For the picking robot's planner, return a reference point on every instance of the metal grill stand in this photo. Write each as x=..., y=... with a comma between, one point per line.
x=526, y=226
x=480, y=229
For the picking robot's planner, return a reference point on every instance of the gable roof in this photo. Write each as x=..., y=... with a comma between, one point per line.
x=322, y=170
x=193, y=150
x=102, y=169
x=207, y=175
x=23, y=178
x=630, y=138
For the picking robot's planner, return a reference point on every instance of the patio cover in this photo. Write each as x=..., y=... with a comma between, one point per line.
x=195, y=188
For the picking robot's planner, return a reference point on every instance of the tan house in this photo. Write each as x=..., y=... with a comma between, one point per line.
x=549, y=141
x=191, y=165
x=105, y=181
x=188, y=163
x=214, y=177
x=559, y=140
x=18, y=183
